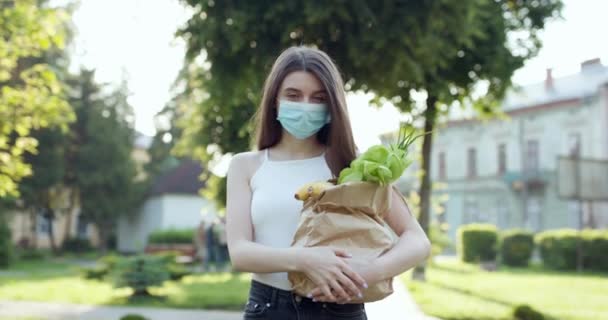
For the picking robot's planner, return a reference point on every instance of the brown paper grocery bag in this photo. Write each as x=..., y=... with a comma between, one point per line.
x=348, y=216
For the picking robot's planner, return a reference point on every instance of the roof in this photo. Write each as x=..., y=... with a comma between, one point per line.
x=183, y=179
x=550, y=93
x=583, y=84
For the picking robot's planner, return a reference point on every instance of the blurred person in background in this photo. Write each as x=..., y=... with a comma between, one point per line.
x=200, y=244
x=210, y=264
x=222, y=244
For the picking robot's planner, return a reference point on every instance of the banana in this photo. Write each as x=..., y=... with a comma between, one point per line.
x=312, y=190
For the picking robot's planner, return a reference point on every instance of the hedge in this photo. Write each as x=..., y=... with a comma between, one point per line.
x=76, y=245
x=595, y=249
x=516, y=246
x=477, y=242
x=172, y=236
x=558, y=249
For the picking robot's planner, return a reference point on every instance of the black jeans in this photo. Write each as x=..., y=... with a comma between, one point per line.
x=270, y=303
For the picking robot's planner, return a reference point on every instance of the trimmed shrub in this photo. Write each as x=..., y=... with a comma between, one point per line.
x=76, y=245
x=109, y=260
x=177, y=272
x=172, y=236
x=6, y=245
x=595, y=249
x=558, y=248
x=140, y=273
x=106, y=264
x=516, y=247
x=525, y=312
x=133, y=317
x=96, y=273
x=168, y=257
x=477, y=242
x=32, y=254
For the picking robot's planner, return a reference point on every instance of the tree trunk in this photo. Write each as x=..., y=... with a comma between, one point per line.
x=50, y=213
x=425, y=185
x=33, y=228
x=70, y=212
x=102, y=231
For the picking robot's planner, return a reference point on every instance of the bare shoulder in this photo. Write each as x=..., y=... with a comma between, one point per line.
x=246, y=162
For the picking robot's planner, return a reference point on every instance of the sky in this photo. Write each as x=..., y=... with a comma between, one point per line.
x=135, y=39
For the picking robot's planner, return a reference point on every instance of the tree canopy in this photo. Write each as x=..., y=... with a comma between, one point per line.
x=389, y=48
x=31, y=95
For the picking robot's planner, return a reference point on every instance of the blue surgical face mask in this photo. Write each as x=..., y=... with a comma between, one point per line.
x=302, y=119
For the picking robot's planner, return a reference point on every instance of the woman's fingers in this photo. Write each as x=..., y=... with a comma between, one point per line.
x=315, y=292
x=327, y=292
x=354, y=276
x=350, y=286
x=320, y=297
x=342, y=253
x=340, y=293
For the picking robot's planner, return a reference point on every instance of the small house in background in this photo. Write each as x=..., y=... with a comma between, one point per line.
x=173, y=202
x=30, y=229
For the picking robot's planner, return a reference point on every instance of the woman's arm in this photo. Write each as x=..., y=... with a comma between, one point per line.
x=412, y=247
x=323, y=265
x=245, y=254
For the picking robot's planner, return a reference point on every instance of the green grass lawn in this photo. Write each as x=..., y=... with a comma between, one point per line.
x=59, y=281
x=453, y=290
x=462, y=291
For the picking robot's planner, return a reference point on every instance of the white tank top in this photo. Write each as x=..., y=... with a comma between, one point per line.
x=275, y=212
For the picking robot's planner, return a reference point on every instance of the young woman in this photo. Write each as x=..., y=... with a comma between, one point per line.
x=304, y=135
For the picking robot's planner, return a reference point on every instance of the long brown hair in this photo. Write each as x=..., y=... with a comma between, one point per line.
x=337, y=135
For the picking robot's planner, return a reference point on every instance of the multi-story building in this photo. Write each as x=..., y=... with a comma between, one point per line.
x=505, y=171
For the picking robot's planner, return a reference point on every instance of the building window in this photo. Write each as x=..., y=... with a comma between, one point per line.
x=82, y=227
x=574, y=145
x=533, y=208
x=442, y=173
x=471, y=212
x=471, y=163
x=502, y=158
x=502, y=212
x=573, y=213
x=44, y=223
x=531, y=164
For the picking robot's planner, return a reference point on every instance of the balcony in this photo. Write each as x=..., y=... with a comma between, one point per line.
x=534, y=180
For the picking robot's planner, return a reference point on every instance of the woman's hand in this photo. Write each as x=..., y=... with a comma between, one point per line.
x=366, y=272
x=327, y=268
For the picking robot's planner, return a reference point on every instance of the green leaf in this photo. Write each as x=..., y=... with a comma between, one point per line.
x=377, y=153
x=384, y=174
x=350, y=175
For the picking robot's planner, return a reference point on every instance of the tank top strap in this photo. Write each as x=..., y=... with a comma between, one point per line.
x=265, y=155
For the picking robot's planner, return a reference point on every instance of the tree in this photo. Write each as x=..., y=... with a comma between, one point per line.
x=487, y=58
x=100, y=165
x=390, y=48
x=163, y=142
x=31, y=94
x=41, y=191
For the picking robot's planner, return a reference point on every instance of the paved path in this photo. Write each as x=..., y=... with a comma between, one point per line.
x=398, y=306
x=61, y=311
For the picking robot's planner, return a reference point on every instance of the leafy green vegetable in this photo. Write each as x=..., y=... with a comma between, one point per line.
x=382, y=164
